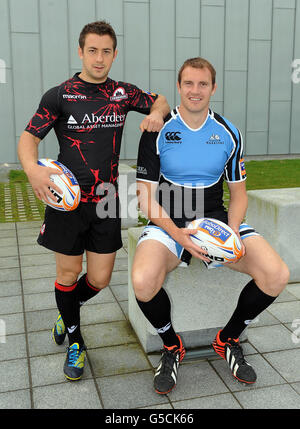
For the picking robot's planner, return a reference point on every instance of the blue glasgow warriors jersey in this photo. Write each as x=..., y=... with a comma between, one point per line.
x=191, y=164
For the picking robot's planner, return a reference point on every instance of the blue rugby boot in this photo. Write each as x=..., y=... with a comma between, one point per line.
x=59, y=331
x=74, y=363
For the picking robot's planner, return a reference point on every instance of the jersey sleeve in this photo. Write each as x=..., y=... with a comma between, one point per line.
x=141, y=101
x=46, y=115
x=148, y=162
x=235, y=167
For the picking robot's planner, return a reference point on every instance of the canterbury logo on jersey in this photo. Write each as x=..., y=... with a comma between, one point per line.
x=173, y=137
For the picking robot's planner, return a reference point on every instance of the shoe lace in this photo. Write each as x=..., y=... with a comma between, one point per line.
x=168, y=358
x=237, y=351
x=73, y=354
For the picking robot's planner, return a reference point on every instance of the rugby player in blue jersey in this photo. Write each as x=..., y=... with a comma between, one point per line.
x=193, y=153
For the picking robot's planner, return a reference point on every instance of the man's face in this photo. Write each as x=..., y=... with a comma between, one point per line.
x=97, y=57
x=195, y=89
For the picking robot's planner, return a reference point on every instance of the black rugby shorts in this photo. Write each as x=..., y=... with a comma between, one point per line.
x=71, y=233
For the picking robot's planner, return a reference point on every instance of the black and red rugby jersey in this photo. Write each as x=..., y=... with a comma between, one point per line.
x=88, y=120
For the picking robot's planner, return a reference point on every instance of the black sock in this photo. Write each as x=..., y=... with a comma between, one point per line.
x=85, y=290
x=158, y=312
x=252, y=301
x=67, y=304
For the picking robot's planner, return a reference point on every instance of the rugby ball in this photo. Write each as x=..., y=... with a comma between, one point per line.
x=220, y=241
x=69, y=198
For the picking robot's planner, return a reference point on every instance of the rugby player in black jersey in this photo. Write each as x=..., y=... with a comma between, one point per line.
x=88, y=113
x=181, y=155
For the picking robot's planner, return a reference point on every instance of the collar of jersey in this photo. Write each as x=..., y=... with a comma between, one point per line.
x=176, y=114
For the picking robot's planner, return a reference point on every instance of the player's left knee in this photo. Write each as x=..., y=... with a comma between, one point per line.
x=277, y=278
x=100, y=282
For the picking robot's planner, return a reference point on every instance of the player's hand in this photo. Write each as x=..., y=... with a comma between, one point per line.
x=185, y=240
x=153, y=122
x=39, y=178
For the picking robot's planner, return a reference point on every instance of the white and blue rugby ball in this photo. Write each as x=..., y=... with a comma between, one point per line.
x=218, y=239
x=69, y=198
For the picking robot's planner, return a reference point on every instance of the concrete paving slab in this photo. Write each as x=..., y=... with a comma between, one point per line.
x=130, y=391
x=39, y=301
x=20, y=399
x=9, y=251
x=81, y=395
x=285, y=311
x=36, y=272
x=107, y=334
x=101, y=313
x=46, y=370
x=13, y=348
x=196, y=380
x=9, y=262
x=8, y=241
x=294, y=289
x=286, y=363
x=11, y=304
x=14, y=375
x=274, y=397
x=10, y=288
x=215, y=402
x=271, y=338
x=123, y=359
x=7, y=274
x=266, y=374
x=14, y=323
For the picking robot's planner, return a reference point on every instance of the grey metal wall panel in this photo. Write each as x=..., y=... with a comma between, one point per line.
x=79, y=13
x=251, y=43
x=162, y=34
x=235, y=107
x=187, y=18
x=258, y=85
x=236, y=35
x=112, y=12
x=7, y=114
x=295, y=123
x=260, y=27
x=54, y=43
x=213, y=41
x=24, y=16
x=279, y=135
x=136, y=65
x=26, y=77
x=282, y=52
x=5, y=33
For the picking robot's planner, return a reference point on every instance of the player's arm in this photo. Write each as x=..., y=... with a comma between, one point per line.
x=38, y=176
x=37, y=129
x=158, y=111
x=238, y=203
x=148, y=204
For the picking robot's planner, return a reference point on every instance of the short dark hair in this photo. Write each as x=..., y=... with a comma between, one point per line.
x=198, y=63
x=98, y=27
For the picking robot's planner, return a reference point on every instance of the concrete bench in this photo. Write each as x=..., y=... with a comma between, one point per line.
x=127, y=193
x=202, y=301
x=275, y=213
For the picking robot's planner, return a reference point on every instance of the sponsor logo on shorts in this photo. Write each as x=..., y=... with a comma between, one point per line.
x=42, y=230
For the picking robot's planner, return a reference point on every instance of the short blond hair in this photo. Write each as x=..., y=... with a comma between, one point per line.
x=198, y=63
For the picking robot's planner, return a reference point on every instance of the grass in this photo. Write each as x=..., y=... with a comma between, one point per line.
x=260, y=175
x=17, y=200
